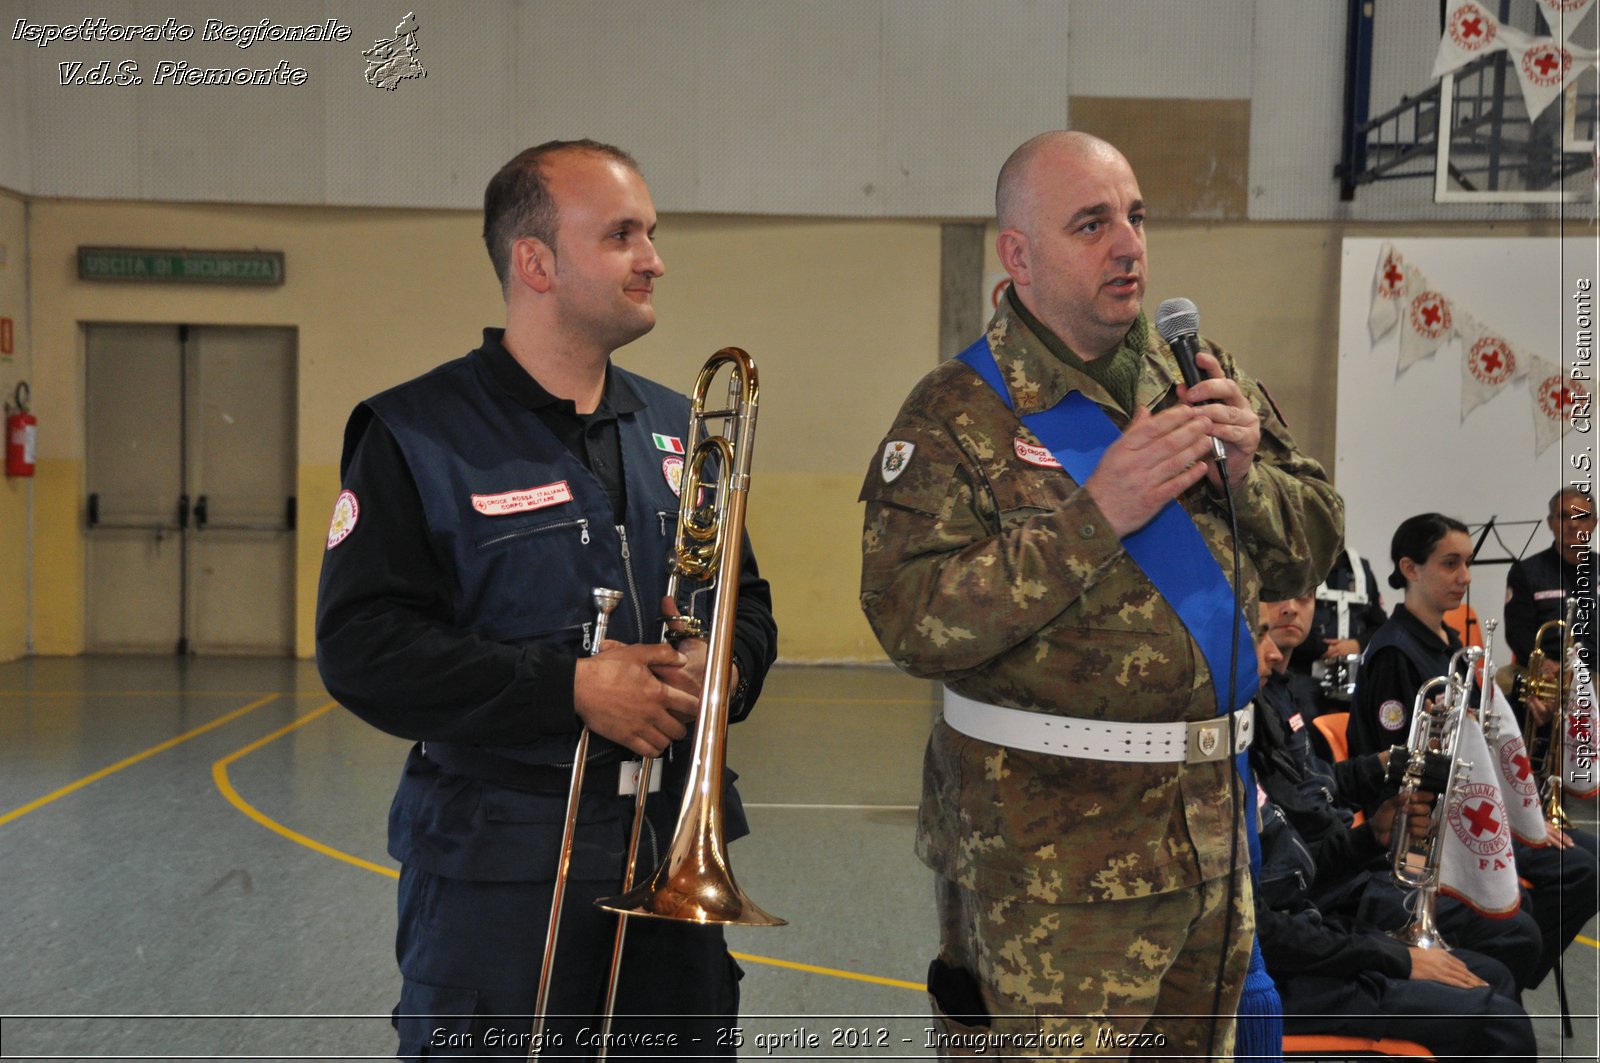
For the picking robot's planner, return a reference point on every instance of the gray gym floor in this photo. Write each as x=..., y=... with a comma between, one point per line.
x=194, y=867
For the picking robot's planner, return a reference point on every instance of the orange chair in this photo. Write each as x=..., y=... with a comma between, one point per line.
x=1333, y=726
x=1308, y=1046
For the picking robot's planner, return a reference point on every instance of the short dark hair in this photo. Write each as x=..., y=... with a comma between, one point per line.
x=1566, y=492
x=1415, y=538
x=517, y=202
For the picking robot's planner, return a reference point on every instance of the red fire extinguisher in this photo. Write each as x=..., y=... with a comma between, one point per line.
x=22, y=435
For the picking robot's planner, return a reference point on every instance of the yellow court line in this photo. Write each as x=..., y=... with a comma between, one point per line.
x=1591, y=942
x=219, y=774
x=18, y=813
x=831, y=972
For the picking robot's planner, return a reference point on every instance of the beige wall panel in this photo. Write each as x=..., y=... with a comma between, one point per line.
x=841, y=316
x=1192, y=156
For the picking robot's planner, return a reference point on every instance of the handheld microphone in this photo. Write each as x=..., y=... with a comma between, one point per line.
x=1178, y=322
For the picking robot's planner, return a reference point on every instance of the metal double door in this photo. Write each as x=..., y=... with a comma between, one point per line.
x=191, y=505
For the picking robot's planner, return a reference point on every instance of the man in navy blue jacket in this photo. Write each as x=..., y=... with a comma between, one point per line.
x=482, y=504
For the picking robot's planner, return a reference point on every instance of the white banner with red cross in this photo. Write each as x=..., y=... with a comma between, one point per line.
x=1565, y=15
x=1519, y=784
x=1392, y=284
x=1545, y=66
x=1427, y=321
x=1557, y=402
x=1488, y=362
x=1476, y=865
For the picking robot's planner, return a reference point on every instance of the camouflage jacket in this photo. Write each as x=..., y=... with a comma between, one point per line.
x=998, y=575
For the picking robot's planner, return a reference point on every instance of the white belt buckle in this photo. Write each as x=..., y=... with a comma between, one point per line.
x=628, y=778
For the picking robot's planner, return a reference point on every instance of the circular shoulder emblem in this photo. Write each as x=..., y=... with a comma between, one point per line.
x=345, y=512
x=1391, y=714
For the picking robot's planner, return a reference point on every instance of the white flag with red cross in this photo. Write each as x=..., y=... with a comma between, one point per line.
x=1469, y=31
x=1578, y=777
x=1545, y=67
x=1488, y=362
x=1427, y=322
x=1391, y=285
x=1564, y=16
x=1476, y=865
x=1519, y=783
x=1557, y=400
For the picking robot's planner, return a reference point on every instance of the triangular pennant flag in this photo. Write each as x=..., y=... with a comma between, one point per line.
x=1555, y=401
x=1564, y=16
x=1428, y=322
x=1519, y=785
x=1488, y=364
x=1469, y=31
x=1476, y=865
x=1546, y=67
x=1578, y=770
x=1391, y=283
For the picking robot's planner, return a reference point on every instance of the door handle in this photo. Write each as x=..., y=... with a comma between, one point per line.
x=183, y=511
x=94, y=508
x=200, y=513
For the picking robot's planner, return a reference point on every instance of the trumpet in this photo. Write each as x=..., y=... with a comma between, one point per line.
x=1555, y=691
x=1436, y=726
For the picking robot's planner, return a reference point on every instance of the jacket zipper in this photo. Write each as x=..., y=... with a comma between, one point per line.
x=633, y=587
x=581, y=523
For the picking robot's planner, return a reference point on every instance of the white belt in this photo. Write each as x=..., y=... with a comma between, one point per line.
x=1063, y=736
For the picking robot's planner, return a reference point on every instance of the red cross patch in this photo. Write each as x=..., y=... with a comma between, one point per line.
x=1491, y=360
x=1546, y=64
x=1471, y=28
x=1393, y=278
x=1477, y=820
x=1559, y=397
x=1430, y=315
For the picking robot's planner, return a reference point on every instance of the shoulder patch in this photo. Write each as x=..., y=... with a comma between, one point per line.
x=1391, y=714
x=896, y=456
x=345, y=512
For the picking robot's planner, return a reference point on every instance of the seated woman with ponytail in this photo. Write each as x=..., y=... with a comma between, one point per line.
x=1432, y=557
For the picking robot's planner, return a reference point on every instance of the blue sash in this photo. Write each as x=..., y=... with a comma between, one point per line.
x=1169, y=549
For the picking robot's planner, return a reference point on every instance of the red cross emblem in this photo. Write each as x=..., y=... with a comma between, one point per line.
x=1471, y=28
x=1393, y=278
x=1430, y=315
x=1546, y=64
x=1476, y=818
x=1524, y=769
x=1481, y=817
x=1491, y=360
x=1558, y=397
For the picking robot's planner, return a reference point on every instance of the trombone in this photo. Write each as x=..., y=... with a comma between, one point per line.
x=695, y=882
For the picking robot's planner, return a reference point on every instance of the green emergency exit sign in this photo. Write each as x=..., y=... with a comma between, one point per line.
x=161, y=265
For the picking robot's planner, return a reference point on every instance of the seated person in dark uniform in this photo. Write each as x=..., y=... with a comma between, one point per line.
x=1337, y=974
x=1349, y=609
x=1539, y=589
x=1320, y=800
x=1432, y=555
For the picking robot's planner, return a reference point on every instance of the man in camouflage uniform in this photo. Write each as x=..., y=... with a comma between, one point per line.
x=1076, y=896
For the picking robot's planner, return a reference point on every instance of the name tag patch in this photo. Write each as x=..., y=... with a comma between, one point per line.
x=1036, y=455
x=524, y=500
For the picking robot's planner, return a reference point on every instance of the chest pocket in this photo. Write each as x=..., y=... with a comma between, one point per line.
x=532, y=579
x=1121, y=599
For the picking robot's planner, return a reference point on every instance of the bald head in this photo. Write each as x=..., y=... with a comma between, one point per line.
x=1016, y=191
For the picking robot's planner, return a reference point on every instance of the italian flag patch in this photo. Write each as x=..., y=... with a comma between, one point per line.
x=670, y=444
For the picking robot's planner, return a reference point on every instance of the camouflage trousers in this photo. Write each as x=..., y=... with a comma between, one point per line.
x=1114, y=979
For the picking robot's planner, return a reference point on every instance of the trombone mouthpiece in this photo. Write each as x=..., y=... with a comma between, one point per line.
x=606, y=599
